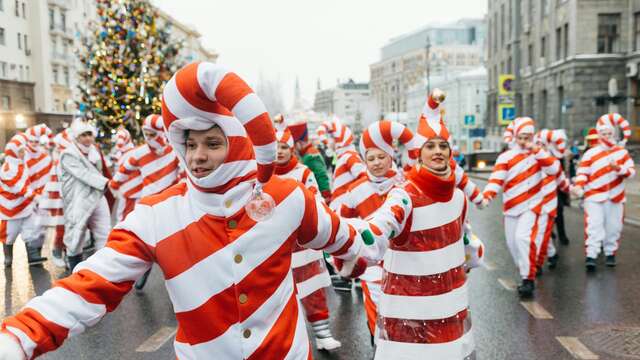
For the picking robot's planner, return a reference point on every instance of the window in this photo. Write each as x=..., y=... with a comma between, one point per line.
x=636, y=32
x=19, y=41
x=27, y=73
x=66, y=76
x=543, y=109
x=21, y=73
x=6, y=103
x=3, y=69
x=566, y=41
x=558, y=43
x=63, y=21
x=24, y=11
x=17, y=12
x=2, y=40
x=26, y=46
x=545, y=8
x=530, y=107
x=530, y=12
x=51, y=18
x=55, y=75
x=502, y=37
x=1, y=5
x=608, y=33
x=530, y=56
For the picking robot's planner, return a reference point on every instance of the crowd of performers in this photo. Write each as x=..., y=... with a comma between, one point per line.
x=244, y=221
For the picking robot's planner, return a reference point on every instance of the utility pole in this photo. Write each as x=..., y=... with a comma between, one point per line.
x=428, y=63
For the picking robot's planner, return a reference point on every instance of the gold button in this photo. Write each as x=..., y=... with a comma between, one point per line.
x=243, y=298
x=232, y=224
x=228, y=203
x=246, y=333
x=237, y=259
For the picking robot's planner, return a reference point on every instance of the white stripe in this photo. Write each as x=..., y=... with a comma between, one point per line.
x=378, y=140
x=248, y=108
x=457, y=349
x=304, y=257
x=28, y=345
x=319, y=281
x=536, y=310
x=576, y=348
x=115, y=267
x=209, y=76
x=265, y=154
x=67, y=309
x=225, y=346
x=179, y=106
x=421, y=263
x=508, y=284
x=438, y=214
x=155, y=341
x=424, y=307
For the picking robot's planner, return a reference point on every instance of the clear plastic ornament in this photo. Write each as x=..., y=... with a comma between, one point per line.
x=261, y=205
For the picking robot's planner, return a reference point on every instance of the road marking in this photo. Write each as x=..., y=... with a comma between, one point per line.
x=536, y=310
x=508, y=284
x=157, y=340
x=490, y=266
x=576, y=348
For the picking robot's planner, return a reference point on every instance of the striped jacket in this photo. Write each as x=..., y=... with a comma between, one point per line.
x=597, y=177
x=39, y=163
x=156, y=171
x=229, y=278
x=349, y=168
x=51, y=199
x=16, y=195
x=518, y=173
x=423, y=310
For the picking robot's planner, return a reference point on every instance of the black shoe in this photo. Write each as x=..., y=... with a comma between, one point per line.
x=526, y=289
x=8, y=255
x=590, y=263
x=340, y=284
x=539, y=271
x=34, y=256
x=553, y=236
x=564, y=240
x=143, y=280
x=553, y=261
x=73, y=261
x=610, y=261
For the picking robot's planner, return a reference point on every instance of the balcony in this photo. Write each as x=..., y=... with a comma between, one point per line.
x=61, y=30
x=65, y=4
x=61, y=58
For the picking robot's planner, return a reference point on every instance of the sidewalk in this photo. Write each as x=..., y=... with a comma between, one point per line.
x=632, y=207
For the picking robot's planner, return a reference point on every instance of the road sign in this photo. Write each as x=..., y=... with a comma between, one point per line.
x=469, y=120
x=505, y=84
x=477, y=133
x=506, y=113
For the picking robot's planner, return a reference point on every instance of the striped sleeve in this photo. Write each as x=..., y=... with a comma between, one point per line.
x=627, y=167
x=96, y=287
x=322, y=229
x=549, y=164
x=470, y=189
x=562, y=181
x=356, y=166
x=584, y=170
x=497, y=178
x=128, y=169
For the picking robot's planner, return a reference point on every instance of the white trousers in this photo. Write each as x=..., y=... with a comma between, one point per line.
x=99, y=224
x=27, y=226
x=603, y=227
x=523, y=242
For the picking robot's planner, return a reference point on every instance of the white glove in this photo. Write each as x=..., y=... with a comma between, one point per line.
x=483, y=204
x=10, y=349
x=577, y=191
x=622, y=143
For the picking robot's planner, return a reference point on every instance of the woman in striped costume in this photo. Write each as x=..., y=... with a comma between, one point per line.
x=228, y=276
x=17, y=203
x=127, y=191
x=309, y=270
x=600, y=180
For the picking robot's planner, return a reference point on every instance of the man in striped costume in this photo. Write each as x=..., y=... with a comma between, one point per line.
x=127, y=191
x=600, y=179
x=309, y=270
x=349, y=167
x=423, y=310
x=367, y=194
x=52, y=200
x=518, y=172
x=229, y=277
x=17, y=203
x=553, y=141
x=311, y=157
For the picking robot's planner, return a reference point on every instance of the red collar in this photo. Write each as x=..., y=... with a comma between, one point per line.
x=286, y=168
x=438, y=189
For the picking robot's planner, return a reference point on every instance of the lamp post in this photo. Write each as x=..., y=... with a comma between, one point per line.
x=428, y=64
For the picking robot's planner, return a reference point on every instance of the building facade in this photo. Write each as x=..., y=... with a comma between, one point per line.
x=410, y=59
x=572, y=60
x=349, y=101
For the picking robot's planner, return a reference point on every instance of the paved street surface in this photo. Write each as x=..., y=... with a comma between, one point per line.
x=595, y=316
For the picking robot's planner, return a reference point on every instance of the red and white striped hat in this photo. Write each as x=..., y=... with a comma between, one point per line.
x=523, y=125
x=507, y=136
x=612, y=120
x=340, y=133
x=555, y=141
x=431, y=124
x=62, y=140
x=17, y=142
x=35, y=132
x=123, y=137
x=284, y=136
x=382, y=134
x=201, y=95
x=152, y=122
x=321, y=133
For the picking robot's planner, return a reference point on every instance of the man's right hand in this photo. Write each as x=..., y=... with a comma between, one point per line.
x=10, y=348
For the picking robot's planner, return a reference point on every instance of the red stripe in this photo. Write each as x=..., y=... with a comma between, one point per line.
x=424, y=285
x=48, y=335
x=278, y=342
x=427, y=331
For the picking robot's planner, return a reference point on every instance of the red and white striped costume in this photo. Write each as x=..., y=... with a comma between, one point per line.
x=17, y=204
x=309, y=271
x=423, y=310
x=518, y=173
x=555, y=142
x=38, y=159
x=616, y=120
x=603, y=188
x=129, y=190
x=229, y=278
x=155, y=163
x=349, y=165
x=52, y=197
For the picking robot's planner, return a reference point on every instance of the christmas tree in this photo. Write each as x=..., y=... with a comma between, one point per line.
x=127, y=59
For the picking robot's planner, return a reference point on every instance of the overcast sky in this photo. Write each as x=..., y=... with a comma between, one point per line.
x=311, y=39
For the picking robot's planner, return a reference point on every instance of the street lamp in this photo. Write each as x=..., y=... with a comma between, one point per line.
x=20, y=123
x=428, y=64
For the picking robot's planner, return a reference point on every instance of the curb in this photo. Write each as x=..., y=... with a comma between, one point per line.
x=627, y=220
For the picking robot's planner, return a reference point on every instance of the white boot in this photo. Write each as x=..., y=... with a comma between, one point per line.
x=324, y=339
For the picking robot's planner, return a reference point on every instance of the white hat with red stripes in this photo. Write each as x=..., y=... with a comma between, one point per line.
x=17, y=142
x=62, y=140
x=35, y=132
x=554, y=140
x=284, y=136
x=152, y=122
x=382, y=135
x=79, y=127
x=123, y=137
x=431, y=125
x=523, y=125
x=613, y=120
x=340, y=133
x=202, y=95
